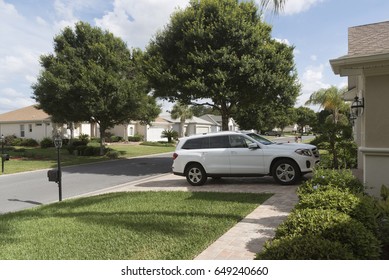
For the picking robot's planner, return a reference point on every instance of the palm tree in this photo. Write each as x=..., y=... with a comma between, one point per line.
x=278, y=5
x=182, y=112
x=330, y=99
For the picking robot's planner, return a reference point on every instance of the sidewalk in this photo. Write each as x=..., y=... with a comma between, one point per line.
x=247, y=237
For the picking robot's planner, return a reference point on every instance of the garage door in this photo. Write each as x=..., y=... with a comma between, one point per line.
x=154, y=134
x=202, y=129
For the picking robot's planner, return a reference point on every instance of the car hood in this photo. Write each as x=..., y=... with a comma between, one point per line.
x=291, y=146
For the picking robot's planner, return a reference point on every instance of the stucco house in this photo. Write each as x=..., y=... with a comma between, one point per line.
x=216, y=122
x=30, y=122
x=27, y=122
x=367, y=67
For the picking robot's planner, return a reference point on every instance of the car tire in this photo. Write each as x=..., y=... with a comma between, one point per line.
x=195, y=174
x=286, y=172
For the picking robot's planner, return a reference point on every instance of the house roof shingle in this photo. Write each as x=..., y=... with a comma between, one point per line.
x=26, y=114
x=368, y=39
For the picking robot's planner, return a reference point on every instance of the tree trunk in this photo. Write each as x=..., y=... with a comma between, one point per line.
x=71, y=133
x=182, y=126
x=225, y=116
x=102, y=140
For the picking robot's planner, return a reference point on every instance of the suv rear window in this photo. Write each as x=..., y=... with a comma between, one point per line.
x=198, y=143
x=207, y=143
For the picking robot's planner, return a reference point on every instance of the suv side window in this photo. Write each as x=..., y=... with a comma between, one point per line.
x=219, y=142
x=198, y=143
x=238, y=141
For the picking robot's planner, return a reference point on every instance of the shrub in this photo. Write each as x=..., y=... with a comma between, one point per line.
x=158, y=144
x=88, y=150
x=29, y=142
x=383, y=221
x=84, y=138
x=47, y=143
x=324, y=179
x=334, y=226
x=307, y=247
x=170, y=134
x=358, y=206
x=115, y=138
x=136, y=138
x=8, y=140
x=112, y=154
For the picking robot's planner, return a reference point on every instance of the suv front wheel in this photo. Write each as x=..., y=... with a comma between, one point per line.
x=195, y=174
x=286, y=172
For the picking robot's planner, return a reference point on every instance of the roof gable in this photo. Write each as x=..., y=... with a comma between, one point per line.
x=26, y=114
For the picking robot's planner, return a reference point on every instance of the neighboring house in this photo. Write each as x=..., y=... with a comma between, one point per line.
x=27, y=122
x=216, y=122
x=150, y=132
x=367, y=67
x=192, y=126
x=30, y=122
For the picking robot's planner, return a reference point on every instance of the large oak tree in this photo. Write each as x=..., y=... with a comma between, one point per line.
x=93, y=76
x=222, y=52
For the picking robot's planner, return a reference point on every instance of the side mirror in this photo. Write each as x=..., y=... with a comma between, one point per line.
x=253, y=146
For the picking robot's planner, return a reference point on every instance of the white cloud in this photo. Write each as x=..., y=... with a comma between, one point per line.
x=313, y=57
x=312, y=80
x=137, y=21
x=11, y=99
x=298, y=6
x=285, y=41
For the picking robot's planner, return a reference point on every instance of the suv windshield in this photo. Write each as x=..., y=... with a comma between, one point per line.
x=259, y=138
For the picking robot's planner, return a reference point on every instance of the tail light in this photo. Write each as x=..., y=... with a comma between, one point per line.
x=175, y=155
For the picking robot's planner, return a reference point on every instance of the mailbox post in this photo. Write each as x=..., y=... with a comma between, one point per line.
x=4, y=157
x=58, y=145
x=2, y=153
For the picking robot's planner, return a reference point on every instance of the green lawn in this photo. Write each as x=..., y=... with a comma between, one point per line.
x=28, y=159
x=119, y=226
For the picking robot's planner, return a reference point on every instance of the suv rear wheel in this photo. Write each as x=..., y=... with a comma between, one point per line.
x=286, y=172
x=195, y=174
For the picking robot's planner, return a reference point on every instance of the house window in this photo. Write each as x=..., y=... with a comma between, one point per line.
x=131, y=132
x=30, y=127
x=22, y=132
x=38, y=124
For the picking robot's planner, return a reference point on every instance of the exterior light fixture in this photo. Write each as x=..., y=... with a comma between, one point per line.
x=357, y=107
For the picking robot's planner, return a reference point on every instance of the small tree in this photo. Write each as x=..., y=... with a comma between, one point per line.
x=170, y=134
x=181, y=112
x=93, y=76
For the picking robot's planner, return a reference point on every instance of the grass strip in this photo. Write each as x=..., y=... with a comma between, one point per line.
x=118, y=226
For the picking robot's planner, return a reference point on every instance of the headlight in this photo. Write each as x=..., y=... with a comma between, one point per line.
x=304, y=152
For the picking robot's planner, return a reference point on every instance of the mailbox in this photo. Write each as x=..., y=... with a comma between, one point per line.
x=53, y=175
x=5, y=156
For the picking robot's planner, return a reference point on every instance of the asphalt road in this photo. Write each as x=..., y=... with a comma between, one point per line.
x=25, y=190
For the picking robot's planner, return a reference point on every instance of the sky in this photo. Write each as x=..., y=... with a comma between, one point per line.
x=316, y=28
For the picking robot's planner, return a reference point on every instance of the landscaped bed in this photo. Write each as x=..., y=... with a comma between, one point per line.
x=135, y=225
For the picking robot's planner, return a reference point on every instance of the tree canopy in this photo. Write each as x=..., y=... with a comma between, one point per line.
x=221, y=51
x=93, y=76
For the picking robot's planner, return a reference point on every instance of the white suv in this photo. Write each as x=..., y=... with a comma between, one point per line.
x=239, y=154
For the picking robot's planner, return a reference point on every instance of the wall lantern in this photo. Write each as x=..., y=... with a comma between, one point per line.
x=357, y=107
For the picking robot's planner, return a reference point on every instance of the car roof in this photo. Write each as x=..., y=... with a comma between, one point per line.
x=211, y=134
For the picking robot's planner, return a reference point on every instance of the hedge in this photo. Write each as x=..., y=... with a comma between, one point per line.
x=306, y=247
x=325, y=179
x=358, y=206
x=334, y=226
